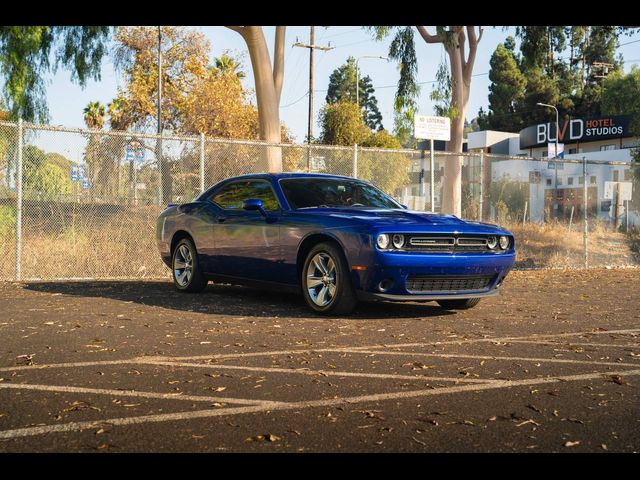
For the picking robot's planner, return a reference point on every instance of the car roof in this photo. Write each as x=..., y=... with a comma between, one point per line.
x=278, y=176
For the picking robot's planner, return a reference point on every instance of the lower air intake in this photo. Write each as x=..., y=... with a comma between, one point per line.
x=431, y=283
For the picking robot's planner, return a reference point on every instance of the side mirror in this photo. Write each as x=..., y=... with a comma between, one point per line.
x=253, y=204
x=404, y=206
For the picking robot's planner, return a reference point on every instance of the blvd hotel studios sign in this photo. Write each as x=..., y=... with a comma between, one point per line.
x=577, y=130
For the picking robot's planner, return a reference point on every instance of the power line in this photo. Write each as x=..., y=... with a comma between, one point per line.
x=628, y=43
x=293, y=103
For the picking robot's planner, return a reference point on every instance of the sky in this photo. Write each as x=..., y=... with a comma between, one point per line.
x=66, y=100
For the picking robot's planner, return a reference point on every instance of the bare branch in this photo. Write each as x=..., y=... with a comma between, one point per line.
x=278, y=61
x=240, y=30
x=473, y=47
x=428, y=37
x=461, y=42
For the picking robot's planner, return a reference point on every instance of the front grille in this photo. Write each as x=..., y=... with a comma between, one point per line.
x=432, y=283
x=447, y=244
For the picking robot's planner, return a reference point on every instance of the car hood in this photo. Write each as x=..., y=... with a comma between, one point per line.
x=401, y=218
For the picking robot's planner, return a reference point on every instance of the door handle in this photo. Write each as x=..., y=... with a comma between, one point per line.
x=221, y=219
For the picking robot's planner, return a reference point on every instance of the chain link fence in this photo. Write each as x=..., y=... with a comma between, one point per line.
x=78, y=203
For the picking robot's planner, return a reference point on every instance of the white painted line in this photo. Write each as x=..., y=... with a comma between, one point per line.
x=493, y=357
x=65, y=365
x=167, y=417
x=577, y=344
x=314, y=350
x=632, y=332
x=132, y=393
x=305, y=371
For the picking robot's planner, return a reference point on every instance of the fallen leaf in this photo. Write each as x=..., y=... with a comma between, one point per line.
x=618, y=379
x=571, y=444
x=220, y=389
x=527, y=422
x=418, y=441
x=604, y=446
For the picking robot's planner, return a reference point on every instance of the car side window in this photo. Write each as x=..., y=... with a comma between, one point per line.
x=231, y=196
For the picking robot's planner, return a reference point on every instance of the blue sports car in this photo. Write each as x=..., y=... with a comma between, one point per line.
x=336, y=239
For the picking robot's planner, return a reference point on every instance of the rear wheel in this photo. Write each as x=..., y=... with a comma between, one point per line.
x=460, y=304
x=187, y=276
x=326, y=283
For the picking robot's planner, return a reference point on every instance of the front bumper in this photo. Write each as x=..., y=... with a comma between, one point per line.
x=393, y=269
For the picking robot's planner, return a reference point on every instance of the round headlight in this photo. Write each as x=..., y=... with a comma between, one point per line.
x=383, y=241
x=492, y=242
x=398, y=240
x=504, y=242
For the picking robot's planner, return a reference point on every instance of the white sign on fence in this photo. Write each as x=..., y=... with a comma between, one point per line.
x=610, y=188
x=436, y=128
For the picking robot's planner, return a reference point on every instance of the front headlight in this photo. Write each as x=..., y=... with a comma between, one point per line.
x=504, y=242
x=398, y=240
x=492, y=242
x=383, y=241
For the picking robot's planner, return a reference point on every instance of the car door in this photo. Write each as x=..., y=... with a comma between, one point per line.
x=246, y=243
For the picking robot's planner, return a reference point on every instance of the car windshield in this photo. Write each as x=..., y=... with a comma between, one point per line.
x=330, y=192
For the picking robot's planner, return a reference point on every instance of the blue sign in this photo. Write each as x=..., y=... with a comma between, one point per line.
x=134, y=153
x=77, y=173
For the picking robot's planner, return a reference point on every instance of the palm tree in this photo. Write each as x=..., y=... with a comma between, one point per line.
x=228, y=64
x=94, y=115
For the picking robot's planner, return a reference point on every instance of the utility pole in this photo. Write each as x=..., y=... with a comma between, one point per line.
x=311, y=46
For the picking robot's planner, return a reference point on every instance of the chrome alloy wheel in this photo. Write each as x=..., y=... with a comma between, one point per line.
x=321, y=279
x=183, y=266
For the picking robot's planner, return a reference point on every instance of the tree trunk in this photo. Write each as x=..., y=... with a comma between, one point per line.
x=266, y=93
x=452, y=191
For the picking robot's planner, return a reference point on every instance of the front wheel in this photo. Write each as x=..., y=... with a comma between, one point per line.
x=187, y=276
x=460, y=304
x=326, y=283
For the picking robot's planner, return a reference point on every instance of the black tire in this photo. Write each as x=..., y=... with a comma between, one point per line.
x=461, y=304
x=344, y=299
x=196, y=281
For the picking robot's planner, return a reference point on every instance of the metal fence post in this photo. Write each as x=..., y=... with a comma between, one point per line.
x=355, y=160
x=202, y=140
x=19, y=206
x=585, y=202
x=480, y=207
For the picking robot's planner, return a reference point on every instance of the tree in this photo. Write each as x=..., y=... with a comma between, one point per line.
x=268, y=84
x=506, y=92
x=461, y=44
x=41, y=179
x=227, y=64
x=184, y=62
x=27, y=53
x=94, y=115
x=621, y=96
x=217, y=106
x=342, y=86
x=342, y=124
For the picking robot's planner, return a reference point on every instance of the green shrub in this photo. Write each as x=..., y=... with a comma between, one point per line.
x=7, y=222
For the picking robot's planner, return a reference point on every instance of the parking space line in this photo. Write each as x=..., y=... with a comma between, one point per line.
x=313, y=350
x=66, y=365
x=578, y=344
x=79, y=426
x=493, y=357
x=132, y=393
x=305, y=371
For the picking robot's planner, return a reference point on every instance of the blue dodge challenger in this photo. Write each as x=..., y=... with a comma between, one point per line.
x=336, y=239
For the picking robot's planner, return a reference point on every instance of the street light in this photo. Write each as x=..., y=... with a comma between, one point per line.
x=358, y=74
x=555, y=157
